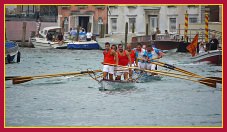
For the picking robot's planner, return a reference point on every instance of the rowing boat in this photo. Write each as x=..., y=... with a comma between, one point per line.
x=145, y=77
x=116, y=84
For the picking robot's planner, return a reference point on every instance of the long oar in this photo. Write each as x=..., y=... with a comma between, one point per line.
x=22, y=79
x=10, y=77
x=206, y=82
x=172, y=73
x=168, y=66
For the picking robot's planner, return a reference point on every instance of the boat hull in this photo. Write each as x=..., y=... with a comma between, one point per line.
x=115, y=84
x=11, y=50
x=166, y=45
x=213, y=57
x=83, y=45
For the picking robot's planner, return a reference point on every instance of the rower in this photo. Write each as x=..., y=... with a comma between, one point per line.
x=140, y=56
x=133, y=58
x=110, y=57
x=151, y=54
x=123, y=60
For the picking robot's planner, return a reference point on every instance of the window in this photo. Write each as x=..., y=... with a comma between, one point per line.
x=172, y=24
x=193, y=20
x=113, y=24
x=131, y=21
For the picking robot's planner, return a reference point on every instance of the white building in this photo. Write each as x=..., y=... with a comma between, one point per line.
x=168, y=17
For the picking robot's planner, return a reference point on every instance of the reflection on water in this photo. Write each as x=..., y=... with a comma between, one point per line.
x=81, y=101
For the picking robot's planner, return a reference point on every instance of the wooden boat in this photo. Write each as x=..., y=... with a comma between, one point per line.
x=116, y=84
x=161, y=42
x=212, y=57
x=144, y=77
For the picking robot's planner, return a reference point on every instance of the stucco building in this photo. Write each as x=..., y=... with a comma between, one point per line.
x=72, y=16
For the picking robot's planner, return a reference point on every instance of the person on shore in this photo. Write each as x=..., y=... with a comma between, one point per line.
x=110, y=59
x=123, y=60
x=213, y=44
x=88, y=36
x=73, y=33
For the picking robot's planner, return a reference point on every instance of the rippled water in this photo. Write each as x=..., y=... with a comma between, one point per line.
x=77, y=101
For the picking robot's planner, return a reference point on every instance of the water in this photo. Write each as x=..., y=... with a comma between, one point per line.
x=77, y=101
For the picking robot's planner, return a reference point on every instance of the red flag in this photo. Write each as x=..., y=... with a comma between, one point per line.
x=192, y=47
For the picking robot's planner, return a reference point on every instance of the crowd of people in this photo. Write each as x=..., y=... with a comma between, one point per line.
x=119, y=62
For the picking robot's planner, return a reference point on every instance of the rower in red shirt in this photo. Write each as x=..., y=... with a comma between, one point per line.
x=110, y=57
x=123, y=60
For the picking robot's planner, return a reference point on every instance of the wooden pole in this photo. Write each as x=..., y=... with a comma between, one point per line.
x=133, y=27
x=103, y=30
x=186, y=27
x=126, y=33
x=147, y=29
x=206, y=27
x=78, y=33
x=89, y=27
x=23, y=33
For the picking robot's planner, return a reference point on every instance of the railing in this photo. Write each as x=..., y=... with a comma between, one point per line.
x=201, y=32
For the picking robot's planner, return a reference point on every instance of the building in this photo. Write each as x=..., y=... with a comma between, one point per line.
x=168, y=17
x=71, y=16
x=80, y=15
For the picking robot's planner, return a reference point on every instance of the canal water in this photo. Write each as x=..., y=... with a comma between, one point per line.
x=77, y=101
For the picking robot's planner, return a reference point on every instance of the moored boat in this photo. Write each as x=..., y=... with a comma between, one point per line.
x=11, y=50
x=87, y=45
x=212, y=57
x=42, y=42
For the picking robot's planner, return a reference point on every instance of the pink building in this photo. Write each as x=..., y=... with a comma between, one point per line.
x=73, y=15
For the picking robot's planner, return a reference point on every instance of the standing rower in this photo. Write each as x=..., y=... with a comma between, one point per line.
x=152, y=54
x=123, y=60
x=140, y=56
x=110, y=59
x=133, y=58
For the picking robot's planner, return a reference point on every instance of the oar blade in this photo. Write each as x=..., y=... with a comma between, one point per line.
x=217, y=79
x=208, y=82
x=10, y=77
x=21, y=80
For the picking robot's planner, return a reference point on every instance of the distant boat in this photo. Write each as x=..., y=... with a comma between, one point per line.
x=11, y=50
x=161, y=41
x=212, y=57
x=42, y=42
x=86, y=45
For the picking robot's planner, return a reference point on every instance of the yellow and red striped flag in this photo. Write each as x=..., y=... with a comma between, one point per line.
x=192, y=47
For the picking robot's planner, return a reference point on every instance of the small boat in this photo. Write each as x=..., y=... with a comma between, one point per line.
x=115, y=84
x=161, y=42
x=164, y=42
x=86, y=45
x=42, y=42
x=212, y=57
x=11, y=50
